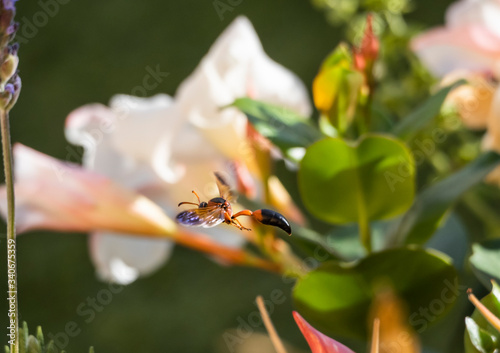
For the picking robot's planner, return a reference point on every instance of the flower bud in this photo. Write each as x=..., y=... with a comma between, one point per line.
x=10, y=93
x=336, y=88
x=8, y=68
x=367, y=53
x=15, y=90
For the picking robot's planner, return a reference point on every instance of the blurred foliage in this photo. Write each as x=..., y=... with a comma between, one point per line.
x=89, y=51
x=485, y=260
x=417, y=276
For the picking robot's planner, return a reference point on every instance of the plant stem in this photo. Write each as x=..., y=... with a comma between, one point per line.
x=266, y=319
x=365, y=233
x=204, y=244
x=11, y=232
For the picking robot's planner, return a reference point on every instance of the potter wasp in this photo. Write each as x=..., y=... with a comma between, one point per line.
x=218, y=210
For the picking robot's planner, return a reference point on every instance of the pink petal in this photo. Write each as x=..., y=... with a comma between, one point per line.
x=61, y=196
x=475, y=12
x=318, y=342
x=470, y=47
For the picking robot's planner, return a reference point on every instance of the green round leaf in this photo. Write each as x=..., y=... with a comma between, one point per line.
x=477, y=339
x=336, y=296
x=485, y=261
x=343, y=183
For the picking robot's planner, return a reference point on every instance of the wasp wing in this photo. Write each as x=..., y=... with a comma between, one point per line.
x=224, y=189
x=205, y=217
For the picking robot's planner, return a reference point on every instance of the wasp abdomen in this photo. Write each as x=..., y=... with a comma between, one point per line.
x=272, y=218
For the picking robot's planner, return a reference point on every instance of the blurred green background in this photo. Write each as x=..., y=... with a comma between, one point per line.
x=87, y=52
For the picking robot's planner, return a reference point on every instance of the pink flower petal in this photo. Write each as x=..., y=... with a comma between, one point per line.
x=318, y=342
x=61, y=196
x=473, y=12
x=471, y=47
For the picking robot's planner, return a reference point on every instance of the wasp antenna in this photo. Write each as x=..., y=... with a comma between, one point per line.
x=187, y=203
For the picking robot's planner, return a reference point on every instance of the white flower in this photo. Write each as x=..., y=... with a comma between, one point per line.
x=140, y=143
x=236, y=66
x=164, y=149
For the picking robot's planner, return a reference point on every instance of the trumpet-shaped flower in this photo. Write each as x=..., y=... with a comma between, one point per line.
x=138, y=143
x=163, y=149
x=51, y=194
x=236, y=66
x=79, y=200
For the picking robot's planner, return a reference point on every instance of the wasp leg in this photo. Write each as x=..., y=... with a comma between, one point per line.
x=237, y=224
x=227, y=218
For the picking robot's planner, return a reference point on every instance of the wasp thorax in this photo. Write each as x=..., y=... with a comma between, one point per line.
x=217, y=201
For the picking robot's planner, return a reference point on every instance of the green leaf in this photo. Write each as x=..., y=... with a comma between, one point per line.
x=495, y=292
x=431, y=205
x=33, y=346
x=341, y=183
x=335, y=298
x=39, y=336
x=485, y=261
x=282, y=127
x=452, y=239
x=472, y=344
x=422, y=115
x=481, y=340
